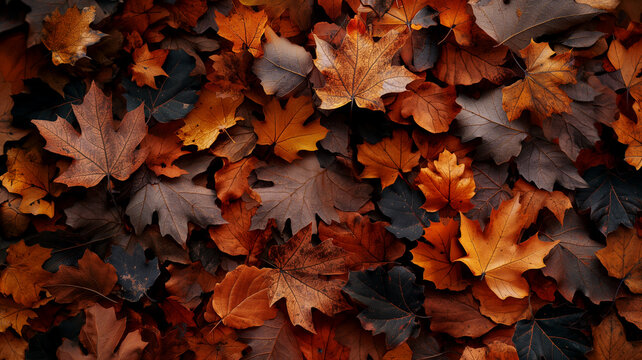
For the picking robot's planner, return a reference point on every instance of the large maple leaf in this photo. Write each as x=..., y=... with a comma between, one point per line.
x=360, y=71
x=297, y=278
x=539, y=92
x=102, y=149
x=496, y=254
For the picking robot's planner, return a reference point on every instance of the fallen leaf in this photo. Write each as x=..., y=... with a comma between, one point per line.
x=609, y=341
x=24, y=277
x=456, y=16
x=456, y=314
x=67, y=35
x=14, y=315
x=431, y=106
x=244, y=28
x=630, y=133
x=102, y=149
x=136, y=274
x=147, y=65
x=622, y=257
x=163, y=147
x=388, y=159
x=362, y=343
x=362, y=76
x=507, y=311
x=322, y=345
x=273, y=340
x=231, y=180
x=216, y=343
x=490, y=189
x=629, y=62
x=13, y=347
x=463, y=65
x=534, y=200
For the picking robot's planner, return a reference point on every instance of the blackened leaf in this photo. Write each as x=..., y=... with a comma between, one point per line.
x=551, y=335
x=490, y=189
x=392, y=300
x=544, y=164
x=203, y=249
x=135, y=274
x=614, y=197
x=43, y=103
x=402, y=205
x=572, y=263
x=176, y=94
x=422, y=50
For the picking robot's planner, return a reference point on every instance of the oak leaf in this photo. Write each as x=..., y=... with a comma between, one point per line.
x=539, y=91
x=297, y=277
x=68, y=35
x=367, y=243
x=241, y=299
x=629, y=62
x=437, y=256
x=244, y=28
x=360, y=71
x=101, y=149
x=147, y=65
x=496, y=253
x=235, y=238
x=214, y=113
x=446, y=182
x=231, y=180
x=285, y=129
x=630, y=133
x=92, y=280
x=24, y=276
x=163, y=147
x=431, y=106
x=283, y=67
x=622, y=257
x=303, y=189
x=388, y=159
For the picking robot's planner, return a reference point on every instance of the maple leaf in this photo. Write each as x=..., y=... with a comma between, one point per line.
x=13, y=315
x=101, y=149
x=101, y=335
x=402, y=204
x=539, y=92
x=135, y=273
x=84, y=285
x=239, y=143
x=299, y=11
x=24, y=276
x=29, y=175
x=323, y=344
x=147, y=65
x=283, y=67
x=68, y=35
x=273, y=340
x=490, y=189
x=485, y=118
x=176, y=201
x=456, y=314
x=367, y=243
x=507, y=311
x=408, y=13
x=630, y=133
x=496, y=254
x=241, y=299
x=7, y=131
x=456, y=16
x=214, y=113
x=297, y=277
x=629, y=308
x=461, y=65
x=437, y=257
x=392, y=300
x=216, y=343
x=360, y=342
x=533, y=200
x=516, y=22
x=303, y=189
x=431, y=106
x=445, y=182
x=622, y=257
x=163, y=147
x=230, y=180
x=629, y=62
x=13, y=347
x=244, y=28
x=360, y=71
x=388, y=159
x=285, y=129
x=609, y=341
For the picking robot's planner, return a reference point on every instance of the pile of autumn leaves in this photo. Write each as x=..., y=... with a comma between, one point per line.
x=272, y=211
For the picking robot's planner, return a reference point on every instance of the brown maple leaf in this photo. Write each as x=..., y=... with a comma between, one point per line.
x=388, y=159
x=68, y=35
x=629, y=62
x=361, y=71
x=431, y=106
x=297, y=278
x=285, y=129
x=147, y=65
x=609, y=341
x=163, y=147
x=533, y=200
x=457, y=16
x=244, y=28
x=459, y=65
x=13, y=315
x=539, y=92
x=622, y=257
x=24, y=276
x=630, y=133
x=231, y=180
x=102, y=149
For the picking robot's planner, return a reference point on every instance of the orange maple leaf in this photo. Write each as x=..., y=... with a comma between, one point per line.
x=630, y=133
x=432, y=106
x=496, y=254
x=244, y=28
x=533, y=200
x=539, y=92
x=24, y=276
x=629, y=62
x=622, y=257
x=361, y=71
x=446, y=182
x=147, y=65
x=457, y=16
x=389, y=158
x=68, y=35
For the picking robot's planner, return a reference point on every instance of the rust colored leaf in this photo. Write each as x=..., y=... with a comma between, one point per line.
x=12, y=347
x=432, y=106
x=220, y=343
x=507, y=311
x=437, y=257
x=163, y=147
x=297, y=278
x=460, y=65
x=285, y=130
x=622, y=257
x=24, y=276
x=456, y=314
x=388, y=159
x=456, y=15
x=539, y=92
x=361, y=71
x=231, y=180
x=322, y=345
x=630, y=133
x=496, y=254
x=533, y=200
x=244, y=28
x=68, y=35
x=446, y=182
x=629, y=62
x=241, y=299
x=147, y=65
x=13, y=315
x=102, y=149
x=609, y=341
